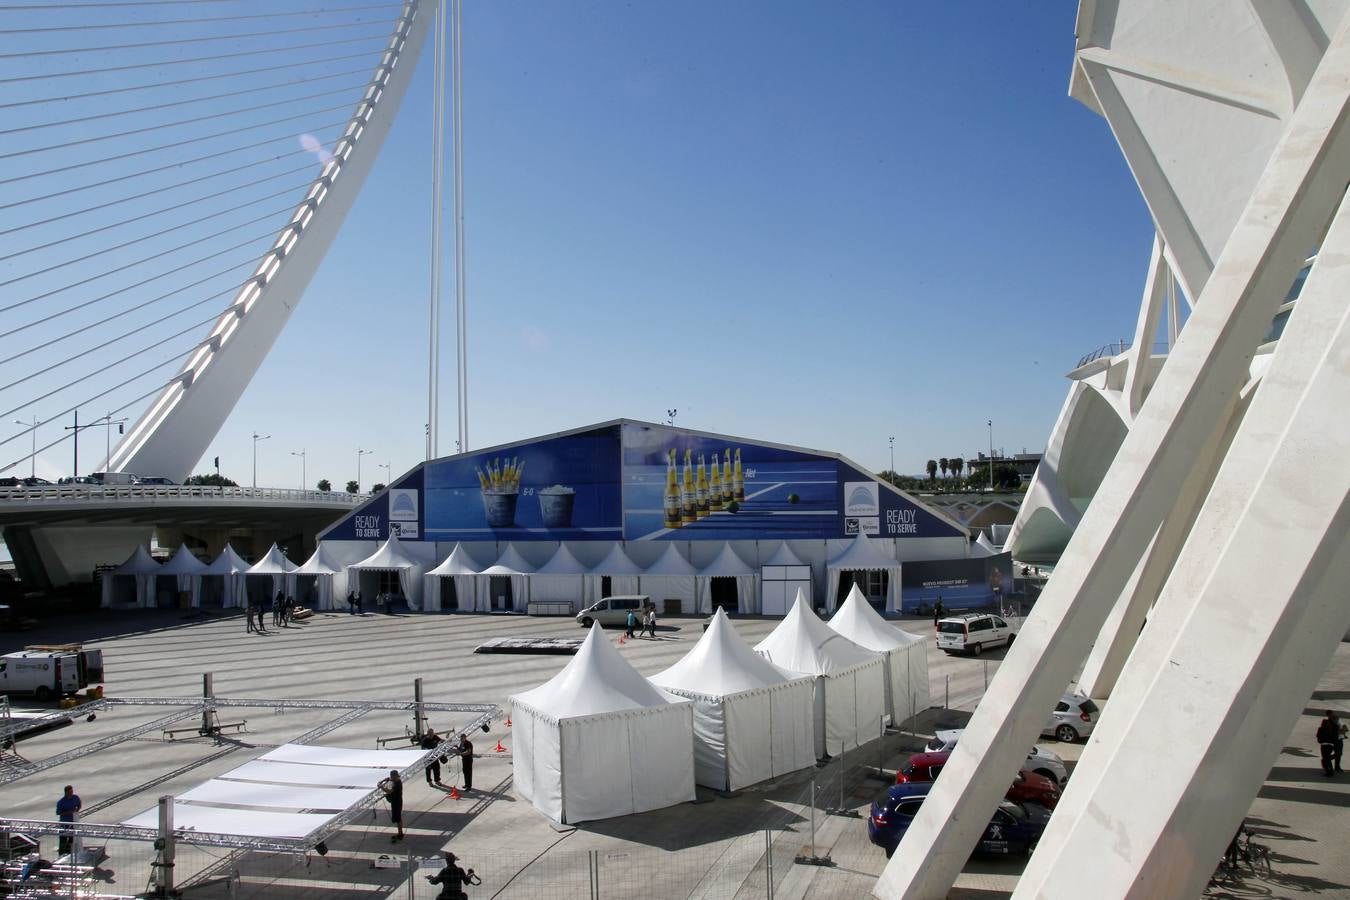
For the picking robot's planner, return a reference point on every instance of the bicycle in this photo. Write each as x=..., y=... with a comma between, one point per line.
x=1257, y=856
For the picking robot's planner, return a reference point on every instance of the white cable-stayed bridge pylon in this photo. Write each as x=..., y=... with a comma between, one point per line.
x=157, y=162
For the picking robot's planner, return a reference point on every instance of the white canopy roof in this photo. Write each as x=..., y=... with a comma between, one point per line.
x=783, y=556
x=616, y=562
x=391, y=555
x=721, y=663
x=227, y=563
x=510, y=563
x=671, y=562
x=318, y=564
x=858, y=621
x=803, y=643
x=562, y=563
x=457, y=563
x=727, y=563
x=983, y=546
x=596, y=681
x=183, y=563
x=140, y=562
x=274, y=563
x=862, y=554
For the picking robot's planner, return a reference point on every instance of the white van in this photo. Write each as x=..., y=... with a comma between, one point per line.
x=614, y=610
x=44, y=674
x=972, y=633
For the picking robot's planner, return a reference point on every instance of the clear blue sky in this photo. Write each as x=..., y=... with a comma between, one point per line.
x=816, y=225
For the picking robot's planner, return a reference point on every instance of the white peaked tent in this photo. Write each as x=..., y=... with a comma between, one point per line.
x=322, y=569
x=906, y=654
x=510, y=565
x=391, y=557
x=671, y=577
x=782, y=575
x=563, y=577
x=727, y=564
x=599, y=740
x=622, y=572
x=983, y=547
x=232, y=570
x=850, y=699
x=863, y=556
x=277, y=566
x=462, y=571
x=188, y=568
x=752, y=720
x=141, y=567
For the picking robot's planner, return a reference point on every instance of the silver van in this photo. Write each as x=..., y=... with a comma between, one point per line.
x=614, y=610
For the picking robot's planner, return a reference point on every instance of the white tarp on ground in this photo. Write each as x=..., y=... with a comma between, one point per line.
x=391, y=557
x=671, y=577
x=728, y=564
x=187, y=567
x=562, y=578
x=622, y=572
x=598, y=740
x=863, y=556
x=462, y=571
x=141, y=567
x=232, y=570
x=275, y=565
x=509, y=565
x=322, y=569
x=752, y=720
x=850, y=699
x=906, y=654
x=243, y=822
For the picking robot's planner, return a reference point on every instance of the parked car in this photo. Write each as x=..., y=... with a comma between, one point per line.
x=1074, y=717
x=1027, y=787
x=973, y=633
x=154, y=480
x=1012, y=829
x=1041, y=761
x=613, y=610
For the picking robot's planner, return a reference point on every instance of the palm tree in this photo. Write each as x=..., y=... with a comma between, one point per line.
x=932, y=468
x=957, y=464
x=943, y=464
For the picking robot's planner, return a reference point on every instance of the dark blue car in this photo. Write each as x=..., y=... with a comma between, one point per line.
x=1014, y=829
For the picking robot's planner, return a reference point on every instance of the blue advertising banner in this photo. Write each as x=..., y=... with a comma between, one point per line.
x=871, y=507
x=563, y=488
x=960, y=583
x=396, y=511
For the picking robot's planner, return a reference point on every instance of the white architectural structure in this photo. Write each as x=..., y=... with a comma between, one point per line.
x=1218, y=524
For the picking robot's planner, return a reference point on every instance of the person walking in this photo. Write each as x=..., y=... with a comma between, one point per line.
x=260, y=608
x=651, y=621
x=632, y=622
x=393, y=792
x=67, y=808
x=1328, y=735
x=466, y=761
x=430, y=741
x=248, y=618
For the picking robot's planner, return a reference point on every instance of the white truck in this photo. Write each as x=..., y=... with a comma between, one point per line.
x=50, y=672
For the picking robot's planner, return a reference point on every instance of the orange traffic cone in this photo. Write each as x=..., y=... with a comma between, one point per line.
x=454, y=792
x=499, y=748
x=623, y=639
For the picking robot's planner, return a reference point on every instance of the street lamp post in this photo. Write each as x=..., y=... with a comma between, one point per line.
x=32, y=457
x=991, y=455
x=892, y=459
x=360, y=453
x=257, y=437
x=388, y=471
x=304, y=479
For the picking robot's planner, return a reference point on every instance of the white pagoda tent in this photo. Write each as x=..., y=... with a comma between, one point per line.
x=622, y=572
x=906, y=654
x=187, y=569
x=141, y=568
x=727, y=564
x=983, y=547
x=273, y=565
x=462, y=572
x=598, y=740
x=322, y=570
x=391, y=557
x=517, y=569
x=231, y=569
x=562, y=578
x=752, y=720
x=671, y=577
x=850, y=701
x=863, y=556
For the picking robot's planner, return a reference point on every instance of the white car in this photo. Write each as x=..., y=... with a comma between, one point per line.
x=973, y=633
x=1074, y=717
x=1039, y=760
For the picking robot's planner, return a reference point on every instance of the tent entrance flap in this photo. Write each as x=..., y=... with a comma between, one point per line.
x=723, y=592
x=873, y=583
x=500, y=593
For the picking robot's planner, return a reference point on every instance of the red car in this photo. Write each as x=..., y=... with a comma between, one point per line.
x=1027, y=787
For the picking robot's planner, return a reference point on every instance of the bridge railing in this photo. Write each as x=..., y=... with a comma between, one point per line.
x=85, y=493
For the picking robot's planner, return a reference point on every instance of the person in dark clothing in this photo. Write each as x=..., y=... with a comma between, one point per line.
x=278, y=605
x=937, y=611
x=430, y=741
x=393, y=792
x=632, y=622
x=1339, y=744
x=466, y=761
x=1328, y=736
x=259, y=608
x=66, y=809
x=453, y=879
x=248, y=618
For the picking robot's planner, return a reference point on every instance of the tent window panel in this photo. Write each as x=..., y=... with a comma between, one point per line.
x=724, y=593
x=872, y=585
x=499, y=589
x=389, y=583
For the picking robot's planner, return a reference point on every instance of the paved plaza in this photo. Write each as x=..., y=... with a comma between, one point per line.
x=713, y=848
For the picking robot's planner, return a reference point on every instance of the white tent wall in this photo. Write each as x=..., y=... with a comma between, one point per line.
x=853, y=708
x=766, y=733
x=919, y=687
x=682, y=588
x=536, y=766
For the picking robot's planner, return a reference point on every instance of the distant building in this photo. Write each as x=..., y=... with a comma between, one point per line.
x=1024, y=463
